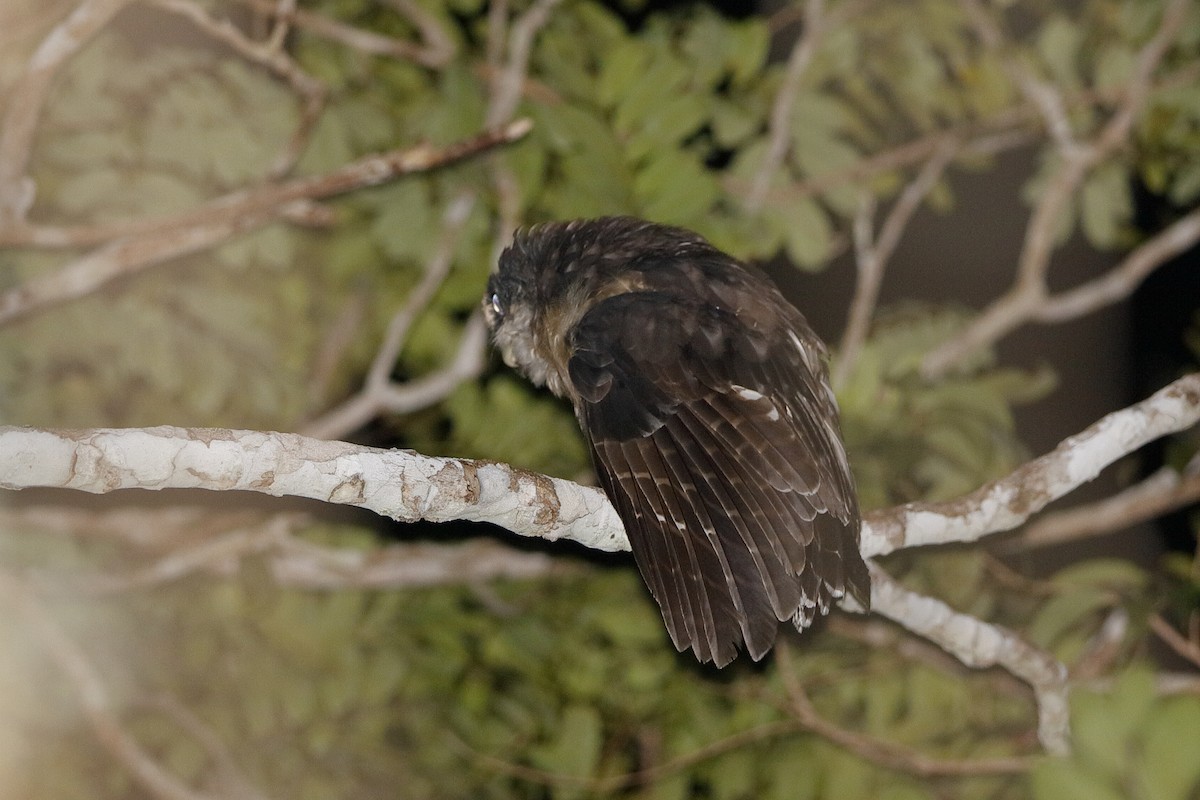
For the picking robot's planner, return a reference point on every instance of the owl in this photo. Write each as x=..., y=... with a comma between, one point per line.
x=705, y=401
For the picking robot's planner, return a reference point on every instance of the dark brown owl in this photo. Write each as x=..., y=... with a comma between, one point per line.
x=705, y=399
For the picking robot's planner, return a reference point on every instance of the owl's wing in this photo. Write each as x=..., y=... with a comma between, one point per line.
x=719, y=447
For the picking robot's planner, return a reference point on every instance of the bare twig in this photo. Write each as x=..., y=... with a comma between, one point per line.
x=979, y=644
x=872, y=255
x=121, y=258
x=436, y=271
x=779, y=125
x=880, y=752
x=27, y=97
x=1119, y=282
x=93, y=696
x=282, y=25
x=1175, y=640
x=438, y=48
x=270, y=55
x=1164, y=491
x=221, y=553
x=506, y=91
x=642, y=777
x=430, y=53
x=297, y=563
x=404, y=398
x=159, y=240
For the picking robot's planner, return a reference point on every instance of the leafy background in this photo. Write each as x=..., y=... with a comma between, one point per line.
x=560, y=687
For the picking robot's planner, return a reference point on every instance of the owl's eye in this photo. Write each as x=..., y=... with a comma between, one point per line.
x=497, y=308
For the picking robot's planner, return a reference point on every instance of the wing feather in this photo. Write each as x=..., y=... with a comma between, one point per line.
x=718, y=445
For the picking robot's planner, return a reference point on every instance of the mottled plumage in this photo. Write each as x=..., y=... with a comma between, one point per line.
x=705, y=400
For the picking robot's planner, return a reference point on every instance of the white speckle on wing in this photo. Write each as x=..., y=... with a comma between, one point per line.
x=660, y=517
x=747, y=394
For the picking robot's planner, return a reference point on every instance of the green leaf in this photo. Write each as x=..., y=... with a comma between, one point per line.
x=1114, y=67
x=807, y=233
x=1054, y=779
x=1170, y=752
x=661, y=82
x=749, y=45
x=1186, y=183
x=666, y=128
x=734, y=775
x=1116, y=574
x=1106, y=205
x=576, y=749
x=1067, y=613
x=621, y=70
x=1058, y=44
x=674, y=188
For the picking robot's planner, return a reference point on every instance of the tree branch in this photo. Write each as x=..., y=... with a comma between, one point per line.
x=981, y=645
x=26, y=99
x=1006, y=503
x=155, y=241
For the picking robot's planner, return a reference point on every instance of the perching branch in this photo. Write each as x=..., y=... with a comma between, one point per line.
x=407, y=486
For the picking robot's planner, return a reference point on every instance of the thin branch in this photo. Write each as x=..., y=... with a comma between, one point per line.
x=1005, y=130
x=642, y=777
x=284, y=9
x=981, y=645
x=165, y=238
x=438, y=47
x=26, y=98
x=221, y=553
x=367, y=171
x=453, y=221
x=872, y=255
x=1183, y=646
x=404, y=398
x=1120, y=282
x=779, y=126
x=877, y=751
x=1045, y=97
x=267, y=54
x=430, y=53
x=93, y=696
x=298, y=563
x=506, y=91
x=1163, y=492
x=1008, y=502
x=121, y=258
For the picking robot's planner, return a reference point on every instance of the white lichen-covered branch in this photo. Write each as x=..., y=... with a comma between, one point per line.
x=408, y=486
x=399, y=484
x=1004, y=504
